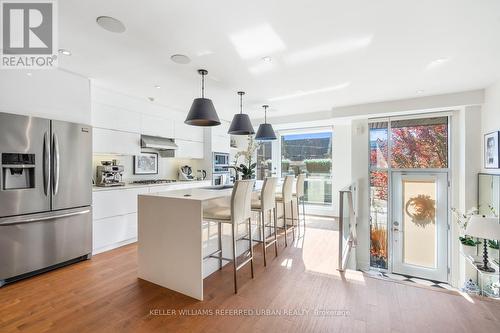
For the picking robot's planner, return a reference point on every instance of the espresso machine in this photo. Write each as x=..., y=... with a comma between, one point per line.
x=109, y=174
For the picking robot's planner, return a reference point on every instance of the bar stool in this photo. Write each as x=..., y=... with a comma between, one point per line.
x=265, y=204
x=239, y=212
x=299, y=196
x=285, y=197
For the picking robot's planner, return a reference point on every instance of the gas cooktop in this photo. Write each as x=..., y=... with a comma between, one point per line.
x=153, y=181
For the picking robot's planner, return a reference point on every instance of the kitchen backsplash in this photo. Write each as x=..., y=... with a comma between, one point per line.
x=168, y=168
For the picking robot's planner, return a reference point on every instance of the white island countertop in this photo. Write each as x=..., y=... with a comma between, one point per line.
x=198, y=194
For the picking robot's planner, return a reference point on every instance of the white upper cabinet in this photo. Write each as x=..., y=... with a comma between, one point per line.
x=221, y=130
x=189, y=149
x=157, y=126
x=220, y=144
x=217, y=138
x=188, y=132
x=106, y=116
x=107, y=141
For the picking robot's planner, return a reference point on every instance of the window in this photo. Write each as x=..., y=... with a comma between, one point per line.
x=419, y=143
x=310, y=153
x=264, y=160
x=379, y=191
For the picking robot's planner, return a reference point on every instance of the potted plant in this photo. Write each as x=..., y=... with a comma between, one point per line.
x=247, y=169
x=468, y=244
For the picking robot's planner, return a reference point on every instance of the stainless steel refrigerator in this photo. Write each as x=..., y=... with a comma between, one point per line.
x=45, y=195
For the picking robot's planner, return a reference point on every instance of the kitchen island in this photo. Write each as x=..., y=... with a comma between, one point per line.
x=172, y=238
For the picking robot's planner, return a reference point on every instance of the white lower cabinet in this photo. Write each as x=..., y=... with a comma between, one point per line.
x=115, y=214
x=112, y=232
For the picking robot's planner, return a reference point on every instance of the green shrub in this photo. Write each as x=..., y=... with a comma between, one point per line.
x=322, y=165
x=285, y=165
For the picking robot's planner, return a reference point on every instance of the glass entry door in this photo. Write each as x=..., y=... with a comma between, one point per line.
x=420, y=224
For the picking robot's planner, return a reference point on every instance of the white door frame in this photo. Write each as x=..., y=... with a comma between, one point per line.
x=440, y=273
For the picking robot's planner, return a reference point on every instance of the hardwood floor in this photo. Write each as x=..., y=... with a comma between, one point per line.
x=104, y=295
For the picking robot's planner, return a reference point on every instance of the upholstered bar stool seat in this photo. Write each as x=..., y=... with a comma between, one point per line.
x=217, y=213
x=256, y=204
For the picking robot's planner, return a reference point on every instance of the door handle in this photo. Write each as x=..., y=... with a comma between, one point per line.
x=46, y=163
x=55, y=164
x=45, y=217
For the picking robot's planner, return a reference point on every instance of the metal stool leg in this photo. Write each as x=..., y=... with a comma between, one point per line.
x=234, y=259
x=293, y=220
x=251, y=245
x=263, y=223
x=275, y=232
x=304, y=213
x=219, y=230
x=298, y=216
x=284, y=223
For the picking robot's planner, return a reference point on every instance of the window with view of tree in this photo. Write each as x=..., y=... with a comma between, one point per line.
x=310, y=153
x=420, y=143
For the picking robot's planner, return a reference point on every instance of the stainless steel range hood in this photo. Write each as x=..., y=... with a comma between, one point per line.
x=166, y=146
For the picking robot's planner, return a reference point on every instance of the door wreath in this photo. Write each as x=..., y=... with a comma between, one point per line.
x=422, y=210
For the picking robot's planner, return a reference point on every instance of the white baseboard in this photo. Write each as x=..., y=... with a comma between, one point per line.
x=114, y=246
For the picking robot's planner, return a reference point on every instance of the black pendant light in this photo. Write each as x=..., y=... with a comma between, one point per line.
x=202, y=112
x=241, y=124
x=265, y=131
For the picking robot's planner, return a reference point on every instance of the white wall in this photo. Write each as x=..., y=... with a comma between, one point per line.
x=359, y=174
x=491, y=116
x=341, y=161
x=52, y=93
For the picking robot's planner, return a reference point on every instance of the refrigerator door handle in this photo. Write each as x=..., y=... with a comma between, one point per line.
x=45, y=217
x=55, y=164
x=46, y=163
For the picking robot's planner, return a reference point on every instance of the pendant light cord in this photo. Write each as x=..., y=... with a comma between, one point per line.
x=202, y=85
x=241, y=103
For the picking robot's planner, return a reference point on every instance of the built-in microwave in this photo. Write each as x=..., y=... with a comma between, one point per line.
x=220, y=162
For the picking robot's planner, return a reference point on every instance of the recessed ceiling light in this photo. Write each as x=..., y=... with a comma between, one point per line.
x=180, y=59
x=110, y=24
x=65, y=52
x=29, y=74
x=157, y=86
x=420, y=91
x=257, y=41
x=267, y=59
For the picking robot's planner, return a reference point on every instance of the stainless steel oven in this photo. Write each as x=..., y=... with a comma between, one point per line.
x=220, y=179
x=220, y=162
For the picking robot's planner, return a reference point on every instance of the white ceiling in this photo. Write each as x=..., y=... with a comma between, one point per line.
x=324, y=53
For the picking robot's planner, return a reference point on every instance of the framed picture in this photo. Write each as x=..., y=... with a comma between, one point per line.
x=491, y=150
x=146, y=164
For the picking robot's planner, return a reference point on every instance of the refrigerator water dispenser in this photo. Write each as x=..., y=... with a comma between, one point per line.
x=18, y=171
